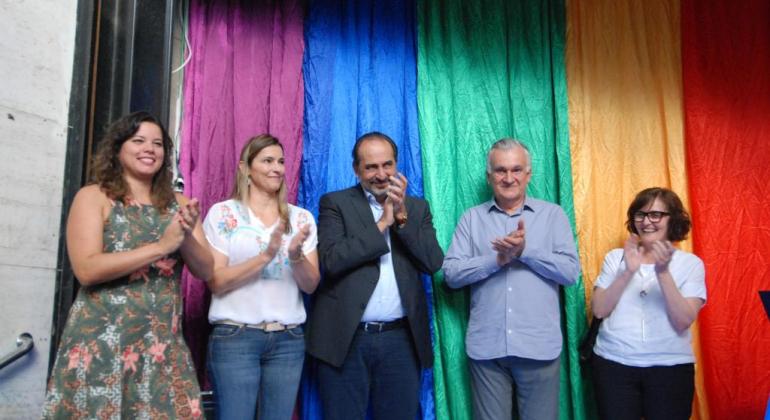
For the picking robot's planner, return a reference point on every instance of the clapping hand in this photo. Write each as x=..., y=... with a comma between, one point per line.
x=276, y=239
x=189, y=214
x=510, y=246
x=173, y=235
x=631, y=253
x=662, y=251
x=295, y=246
x=397, y=191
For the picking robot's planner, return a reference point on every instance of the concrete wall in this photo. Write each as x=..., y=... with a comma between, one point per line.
x=36, y=53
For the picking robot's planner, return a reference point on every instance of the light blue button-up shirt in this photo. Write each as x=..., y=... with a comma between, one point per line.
x=385, y=303
x=514, y=309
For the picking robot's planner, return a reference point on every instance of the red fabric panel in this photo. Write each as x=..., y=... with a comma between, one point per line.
x=726, y=74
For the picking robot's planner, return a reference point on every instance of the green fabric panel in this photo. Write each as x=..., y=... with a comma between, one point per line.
x=486, y=70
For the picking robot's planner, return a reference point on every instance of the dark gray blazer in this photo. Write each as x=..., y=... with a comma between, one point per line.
x=349, y=249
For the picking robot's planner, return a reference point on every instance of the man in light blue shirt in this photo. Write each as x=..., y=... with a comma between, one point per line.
x=514, y=252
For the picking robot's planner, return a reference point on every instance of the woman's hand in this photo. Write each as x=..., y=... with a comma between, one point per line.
x=604, y=300
x=276, y=239
x=631, y=254
x=295, y=246
x=193, y=248
x=230, y=277
x=173, y=236
x=189, y=213
x=304, y=268
x=662, y=251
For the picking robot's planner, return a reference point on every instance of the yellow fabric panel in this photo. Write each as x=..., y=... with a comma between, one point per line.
x=626, y=121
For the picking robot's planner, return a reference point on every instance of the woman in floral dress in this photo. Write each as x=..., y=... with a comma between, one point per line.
x=264, y=255
x=122, y=354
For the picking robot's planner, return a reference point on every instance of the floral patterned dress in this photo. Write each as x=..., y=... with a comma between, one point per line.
x=122, y=354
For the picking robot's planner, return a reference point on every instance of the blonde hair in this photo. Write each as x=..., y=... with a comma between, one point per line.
x=241, y=186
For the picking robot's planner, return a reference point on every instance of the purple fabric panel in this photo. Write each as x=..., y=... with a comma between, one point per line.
x=244, y=79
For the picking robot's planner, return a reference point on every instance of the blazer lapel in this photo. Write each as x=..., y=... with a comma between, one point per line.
x=361, y=205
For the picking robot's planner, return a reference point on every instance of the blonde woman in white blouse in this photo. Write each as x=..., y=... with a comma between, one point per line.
x=264, y=257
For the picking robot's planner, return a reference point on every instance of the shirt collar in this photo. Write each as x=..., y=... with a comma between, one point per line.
x=529, y=204
x=370, y=197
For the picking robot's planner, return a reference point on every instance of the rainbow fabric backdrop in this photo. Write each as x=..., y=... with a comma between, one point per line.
x=610, y=96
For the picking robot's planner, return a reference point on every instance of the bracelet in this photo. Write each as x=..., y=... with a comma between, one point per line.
x=300, y=258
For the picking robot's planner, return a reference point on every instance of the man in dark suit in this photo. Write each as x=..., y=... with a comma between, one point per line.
x=369, y=322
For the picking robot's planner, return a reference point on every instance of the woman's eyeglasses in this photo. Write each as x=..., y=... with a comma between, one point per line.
x=654, y=216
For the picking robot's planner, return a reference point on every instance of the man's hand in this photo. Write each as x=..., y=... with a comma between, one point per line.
x=386, y=220
x=511, y=246
x=397, y=192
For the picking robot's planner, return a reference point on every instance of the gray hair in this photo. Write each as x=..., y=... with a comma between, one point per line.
x=508, y=143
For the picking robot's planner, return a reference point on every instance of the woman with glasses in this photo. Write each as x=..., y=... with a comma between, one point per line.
x=648, y=293
x=264, y=255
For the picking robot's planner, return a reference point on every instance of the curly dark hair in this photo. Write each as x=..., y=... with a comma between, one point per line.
x=679, y=222
x=107, y=172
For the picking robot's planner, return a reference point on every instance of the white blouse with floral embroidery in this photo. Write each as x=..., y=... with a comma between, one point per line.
x=232, y=229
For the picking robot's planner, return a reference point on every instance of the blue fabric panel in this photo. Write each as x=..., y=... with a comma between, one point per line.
x=360, y=75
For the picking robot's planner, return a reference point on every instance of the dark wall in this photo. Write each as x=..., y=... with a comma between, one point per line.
x=121, y=64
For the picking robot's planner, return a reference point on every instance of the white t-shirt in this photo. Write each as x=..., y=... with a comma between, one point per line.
x=232, y=229
x=638, y=331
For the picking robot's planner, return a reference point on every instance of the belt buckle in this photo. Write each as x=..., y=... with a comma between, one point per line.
x=379, y=326
x=274, y=327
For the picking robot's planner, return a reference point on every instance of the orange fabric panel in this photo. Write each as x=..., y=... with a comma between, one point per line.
x=626, y=119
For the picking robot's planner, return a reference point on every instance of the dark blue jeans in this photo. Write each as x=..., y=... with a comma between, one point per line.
x=381, y=368
x=249, y=366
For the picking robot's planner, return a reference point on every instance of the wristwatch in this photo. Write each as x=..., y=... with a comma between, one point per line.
x=401, y=219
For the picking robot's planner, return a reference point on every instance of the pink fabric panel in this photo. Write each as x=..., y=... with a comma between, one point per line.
x=244, y=79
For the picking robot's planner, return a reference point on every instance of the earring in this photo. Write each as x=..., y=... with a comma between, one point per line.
x=248, y=180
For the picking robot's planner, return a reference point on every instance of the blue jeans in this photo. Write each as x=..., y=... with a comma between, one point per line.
x=250, y=368
x=381, y=369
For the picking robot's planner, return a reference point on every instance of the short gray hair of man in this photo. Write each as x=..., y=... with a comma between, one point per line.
x=508, y=144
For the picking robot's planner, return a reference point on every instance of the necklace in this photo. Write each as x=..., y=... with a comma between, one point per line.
x=648, y=279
